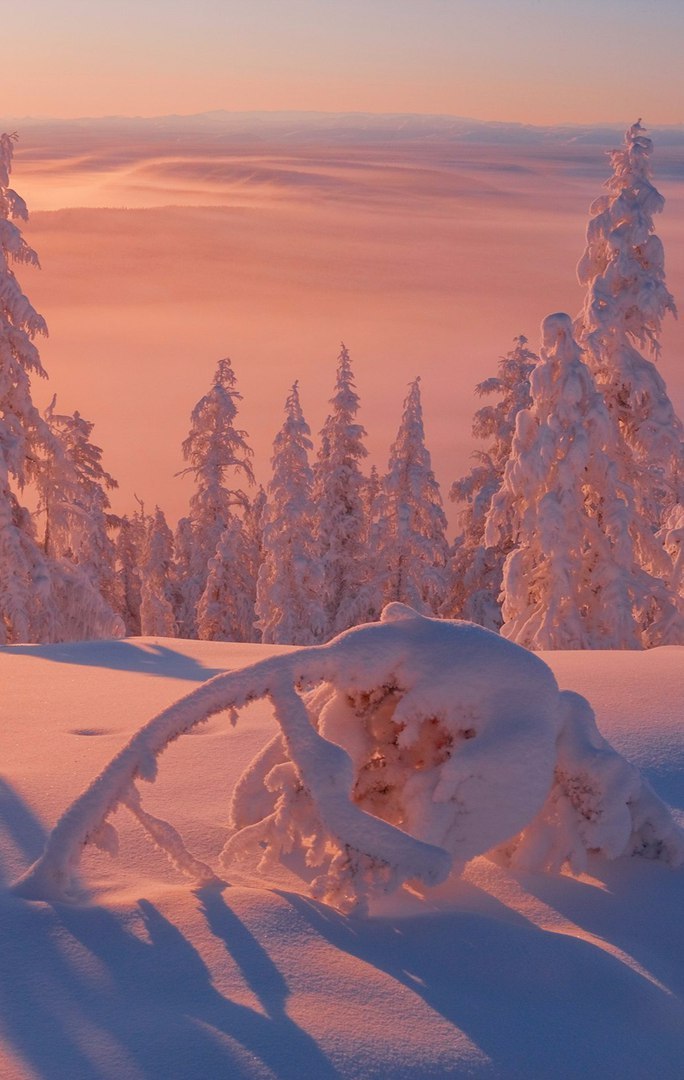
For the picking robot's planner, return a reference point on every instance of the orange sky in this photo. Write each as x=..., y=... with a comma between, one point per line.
x=531, y=61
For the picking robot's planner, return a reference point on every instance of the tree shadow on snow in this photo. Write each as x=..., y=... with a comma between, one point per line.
x=22, y=836
x=87, y=993
x=37, y=1008
x=636, y=908
x=666, y=777
x=529, y=998
x=144, y=658
x=189, y=1028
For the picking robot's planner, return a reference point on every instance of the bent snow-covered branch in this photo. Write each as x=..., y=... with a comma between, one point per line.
x=406, y=748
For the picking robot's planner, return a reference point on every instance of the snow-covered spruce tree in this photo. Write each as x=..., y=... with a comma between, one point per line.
x=26, y=604
x=72, y=487
x=475, y=570
x=215, y=450
x=54, y=591
x=371, y=502
x=226, y=608
x=290, y=580
x=371, y=492
x=672, y=537
x=157, y=617
x=187, y=570
x=572, y=580
x=130, y=549
x=339, y=499
x=626, y=301
x=253, y=528
x=410, y=540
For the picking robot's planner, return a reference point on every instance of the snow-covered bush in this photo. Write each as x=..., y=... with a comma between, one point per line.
x=406, y=748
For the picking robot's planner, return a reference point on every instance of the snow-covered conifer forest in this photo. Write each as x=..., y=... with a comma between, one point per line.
x=569, y=526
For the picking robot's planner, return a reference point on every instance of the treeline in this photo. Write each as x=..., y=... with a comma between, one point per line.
x=571, y=521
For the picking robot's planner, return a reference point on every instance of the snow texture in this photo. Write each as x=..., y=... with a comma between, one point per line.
x=497, y=974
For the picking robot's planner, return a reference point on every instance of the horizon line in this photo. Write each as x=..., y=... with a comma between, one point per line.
x=311, y=113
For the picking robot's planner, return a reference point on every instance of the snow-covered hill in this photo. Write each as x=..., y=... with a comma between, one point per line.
x=495, y=974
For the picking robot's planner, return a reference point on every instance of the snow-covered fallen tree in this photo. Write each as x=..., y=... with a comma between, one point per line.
x=405, y=748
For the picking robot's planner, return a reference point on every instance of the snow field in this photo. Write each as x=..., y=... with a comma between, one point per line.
x=499, y=973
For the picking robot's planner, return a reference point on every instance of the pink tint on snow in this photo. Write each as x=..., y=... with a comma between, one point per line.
x=151, y=977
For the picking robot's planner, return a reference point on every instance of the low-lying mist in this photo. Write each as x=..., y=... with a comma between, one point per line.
x=426, y=244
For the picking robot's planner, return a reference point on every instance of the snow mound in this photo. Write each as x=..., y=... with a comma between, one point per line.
x=406, y=748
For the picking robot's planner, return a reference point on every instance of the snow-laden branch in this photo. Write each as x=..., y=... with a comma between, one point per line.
x=406, y=747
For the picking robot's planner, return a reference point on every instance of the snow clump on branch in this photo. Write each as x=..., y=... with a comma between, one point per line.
x=406, y=748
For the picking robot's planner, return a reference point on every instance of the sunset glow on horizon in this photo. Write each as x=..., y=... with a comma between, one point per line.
x=523, y=61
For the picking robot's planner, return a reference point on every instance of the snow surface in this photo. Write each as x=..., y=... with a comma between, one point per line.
x=499, y=973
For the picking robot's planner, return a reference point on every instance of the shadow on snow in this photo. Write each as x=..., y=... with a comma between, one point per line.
x=146, y=658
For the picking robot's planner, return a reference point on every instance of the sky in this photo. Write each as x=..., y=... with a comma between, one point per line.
x=529, y=61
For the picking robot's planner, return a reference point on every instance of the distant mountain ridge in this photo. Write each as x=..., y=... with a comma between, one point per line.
x=399, y=127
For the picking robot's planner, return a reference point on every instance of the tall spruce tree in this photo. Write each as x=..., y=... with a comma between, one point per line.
x=410, y=542
x=216, y=452
x=27, y=604
x=573, y=579
x=626, y=301
x=73, y=487
x=475, y=569
x=290, y=579
x=253, y=529
x=339, y=499
x=130, y=554
x=157, y=616
x=63, y=589
x=188, y=574
x=226, y=608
